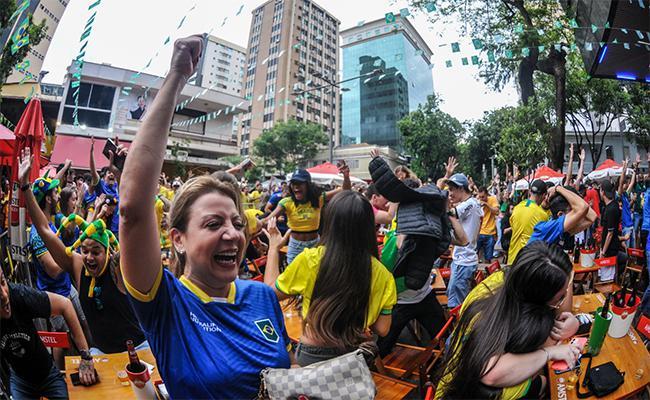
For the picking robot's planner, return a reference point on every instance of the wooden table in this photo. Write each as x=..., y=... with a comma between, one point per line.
x=387, y=388
x=628, y=354
x=109, y=386
x=438, y=284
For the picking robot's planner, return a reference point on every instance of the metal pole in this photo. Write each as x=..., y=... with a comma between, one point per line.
x=332, y=130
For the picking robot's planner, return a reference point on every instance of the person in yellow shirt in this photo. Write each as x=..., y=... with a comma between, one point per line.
x=525, y=216
x=488, y=232
x=303, y=209
x=256, y=194
x=509, y=327
x=345, y=288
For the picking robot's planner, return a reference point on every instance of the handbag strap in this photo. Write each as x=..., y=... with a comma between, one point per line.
x=586, y=380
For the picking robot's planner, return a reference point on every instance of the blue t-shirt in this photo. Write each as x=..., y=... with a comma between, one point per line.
x=60, y=284
x=275, y=198
x=549, y=231
x=626, y=211
x=110, y=190
x=645, y=226
x=211, y=348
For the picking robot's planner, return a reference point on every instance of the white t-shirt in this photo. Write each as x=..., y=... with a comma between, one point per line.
x=470, y=213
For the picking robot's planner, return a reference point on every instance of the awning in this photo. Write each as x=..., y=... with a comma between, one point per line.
x=77, y=149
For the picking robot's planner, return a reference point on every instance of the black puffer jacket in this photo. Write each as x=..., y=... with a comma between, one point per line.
x=421, y=216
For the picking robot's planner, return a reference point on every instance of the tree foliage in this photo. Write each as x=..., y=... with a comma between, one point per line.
x=521, y=142
x=505, y=28
x=36, y=33
x=592, y=105
x=288, y=144
x=430, y=136
x=481, y=144
x=638, y=114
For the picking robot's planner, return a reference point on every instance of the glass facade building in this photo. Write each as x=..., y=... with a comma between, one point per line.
x=373, y=105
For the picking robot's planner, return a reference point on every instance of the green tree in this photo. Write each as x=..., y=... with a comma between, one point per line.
x=480, y=146
x=288, y=144
x=638, y=114
x=521, y=36
x=430, y=136
x=36, y=33
x=592, y=105
x=522, y=142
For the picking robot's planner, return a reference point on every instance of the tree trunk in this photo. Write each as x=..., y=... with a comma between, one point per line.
x=559, y=133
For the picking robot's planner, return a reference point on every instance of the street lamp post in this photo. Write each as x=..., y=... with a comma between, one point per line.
x=331, y=85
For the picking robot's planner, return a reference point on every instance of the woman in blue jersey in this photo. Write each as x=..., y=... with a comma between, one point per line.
x=211, y=334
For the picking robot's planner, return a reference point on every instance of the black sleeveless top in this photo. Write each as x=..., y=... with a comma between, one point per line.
x=110, y=317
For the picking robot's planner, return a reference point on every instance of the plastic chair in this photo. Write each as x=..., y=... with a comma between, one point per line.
x=635, y=261
x=405, y=360
x=494, y=267
x=55, y=339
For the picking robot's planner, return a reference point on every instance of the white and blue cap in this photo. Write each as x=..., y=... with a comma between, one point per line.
x=459, y=180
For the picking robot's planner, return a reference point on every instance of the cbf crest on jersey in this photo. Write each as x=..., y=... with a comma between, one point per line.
x=268, y=330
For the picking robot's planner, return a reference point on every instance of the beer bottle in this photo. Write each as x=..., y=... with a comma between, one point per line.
x=576, y=254
x=135, y=366
x=632, y=300
x=605, y=310
x=619, y=300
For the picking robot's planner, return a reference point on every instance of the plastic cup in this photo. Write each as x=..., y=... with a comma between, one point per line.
x=141, y=383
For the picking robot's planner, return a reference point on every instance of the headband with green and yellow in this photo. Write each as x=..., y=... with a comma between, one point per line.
x=96, y=231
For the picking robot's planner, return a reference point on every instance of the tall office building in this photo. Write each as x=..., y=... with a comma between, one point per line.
x=223, y=66
x=373, y=104
x=293, y=46
x=49, y=10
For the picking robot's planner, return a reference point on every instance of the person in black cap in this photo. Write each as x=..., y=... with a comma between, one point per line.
x=303, y=209
x=525, y=216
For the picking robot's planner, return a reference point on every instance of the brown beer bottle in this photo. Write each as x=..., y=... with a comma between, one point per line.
x=135, y=366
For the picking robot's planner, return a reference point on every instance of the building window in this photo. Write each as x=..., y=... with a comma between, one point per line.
x=94, y=108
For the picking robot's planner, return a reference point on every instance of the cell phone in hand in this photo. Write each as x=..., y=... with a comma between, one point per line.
x=74, y=378
x=118, y=161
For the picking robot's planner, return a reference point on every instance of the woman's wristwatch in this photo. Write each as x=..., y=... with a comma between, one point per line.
x=25, y=187
x=85, y=355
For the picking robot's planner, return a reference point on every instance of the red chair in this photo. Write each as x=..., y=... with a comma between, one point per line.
x=426, y=369
x=55, y=339
x=445, y=273
x=643, y=327
x=478, y=277
x=635, y=260
x=405, y=360
x=494, y=267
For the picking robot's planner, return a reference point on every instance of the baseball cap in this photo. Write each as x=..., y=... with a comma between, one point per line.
x=42, y=186
x=459, y=180
x=538, y=186
x=301, y=175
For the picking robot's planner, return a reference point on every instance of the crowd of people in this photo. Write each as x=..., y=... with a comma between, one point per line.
x=129, y=255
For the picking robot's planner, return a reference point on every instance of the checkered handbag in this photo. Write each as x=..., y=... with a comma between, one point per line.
x=344, y=377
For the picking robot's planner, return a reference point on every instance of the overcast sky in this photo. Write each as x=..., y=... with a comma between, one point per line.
x=128, y=33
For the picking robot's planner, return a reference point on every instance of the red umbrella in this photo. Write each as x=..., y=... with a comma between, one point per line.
x=325, y=168
x=29, y=133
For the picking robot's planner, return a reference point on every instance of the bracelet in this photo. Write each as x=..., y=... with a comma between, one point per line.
x=548, y=356
x=85, y=355
x=25, y=187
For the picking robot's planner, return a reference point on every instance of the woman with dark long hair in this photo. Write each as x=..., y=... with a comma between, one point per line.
x=303, y=208
x=68, y=202
x=508, y=329
x=345, y=288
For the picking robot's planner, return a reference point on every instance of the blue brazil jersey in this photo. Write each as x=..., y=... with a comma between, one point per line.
x=212, y=348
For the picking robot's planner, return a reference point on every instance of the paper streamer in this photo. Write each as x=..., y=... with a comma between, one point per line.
x=79, y=61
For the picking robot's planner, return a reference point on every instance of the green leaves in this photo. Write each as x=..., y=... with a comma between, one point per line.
x=430, y=136
x=288, y=143
x=523, y=140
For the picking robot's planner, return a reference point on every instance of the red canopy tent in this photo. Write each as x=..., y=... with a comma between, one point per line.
x=545, y=173
x=609, y=168
x=29, y=133
x=324, y=168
